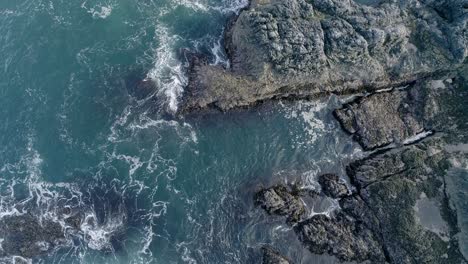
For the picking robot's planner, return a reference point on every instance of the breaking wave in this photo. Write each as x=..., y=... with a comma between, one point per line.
x=169, y=70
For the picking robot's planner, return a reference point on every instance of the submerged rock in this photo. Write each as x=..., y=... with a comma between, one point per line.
x=303, y=49
x=272, y=256
x=24, y=235
x=332, y=186
x=280, y=200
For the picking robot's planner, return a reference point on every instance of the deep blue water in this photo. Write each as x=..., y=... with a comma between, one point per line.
x=152, y=188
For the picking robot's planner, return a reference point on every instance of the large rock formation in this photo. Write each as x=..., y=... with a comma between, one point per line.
x=301, y=48
x=280, y=200
x=406, y=206
x=341, y=236
x=400, y=211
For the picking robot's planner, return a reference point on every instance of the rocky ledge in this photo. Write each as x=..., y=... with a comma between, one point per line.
x=304, y=49
x=400, y=209
x=407, y=62
x=271, y=256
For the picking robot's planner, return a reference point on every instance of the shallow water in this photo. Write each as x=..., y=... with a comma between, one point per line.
x=153, y=188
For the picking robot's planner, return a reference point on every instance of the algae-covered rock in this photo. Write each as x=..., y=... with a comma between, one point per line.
x=272, y=256
x=280, y=200
x=332, y=186
x=304, y=49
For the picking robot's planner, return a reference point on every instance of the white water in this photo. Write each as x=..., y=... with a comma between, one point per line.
x=168, y=71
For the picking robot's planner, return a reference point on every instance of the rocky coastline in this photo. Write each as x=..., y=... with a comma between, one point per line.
x=407, y=63
x=307, y=49
x=398, y=209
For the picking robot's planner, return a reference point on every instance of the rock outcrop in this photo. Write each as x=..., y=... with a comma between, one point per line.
x=408, y=61
x=388, y=195
x=399, y=211
x=281, y=200
x=305, y=49
x=271, y=256
x=23, y=235
x=341, y=236
x=333, y=186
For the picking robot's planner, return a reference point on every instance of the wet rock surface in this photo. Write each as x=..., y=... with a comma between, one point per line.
x=24, y=235
x=399, y=210
x=272, y=256
x=407, y=60
x=383, y=118
x=305, y=49
x=386, y=203
x=341, y=236
x=333, y=186
x=397, y=115
x=281, y=200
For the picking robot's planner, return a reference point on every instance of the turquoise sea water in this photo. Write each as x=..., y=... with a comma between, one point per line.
x=152, y=188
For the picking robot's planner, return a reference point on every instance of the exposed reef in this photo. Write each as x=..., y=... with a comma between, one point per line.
x=304, y=49
x=281, y=200
x=24, y=235
x=399, y=209
x=407, y=63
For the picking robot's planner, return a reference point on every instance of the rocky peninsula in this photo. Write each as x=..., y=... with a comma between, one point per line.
x=406, y=64
x=306, y=49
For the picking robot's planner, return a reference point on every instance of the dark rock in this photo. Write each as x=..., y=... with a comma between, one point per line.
x=271, y=256
x=144, y=88
x=279, y=200
x=384, y=118
x=24, y=235
x=340, y=236
x=399, y=116
x=392, y=200
x=332, y=186
x=304, y=49
x=392, y=184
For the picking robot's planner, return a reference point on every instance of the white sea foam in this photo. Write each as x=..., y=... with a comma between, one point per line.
x=227, y=6
x=307, y=113
x=219, y=56
x=168, y=72
x=186, y=253
x=99, y=11
x=417, y=137
x=18, y=259
x=98, y=236
x=331, y=206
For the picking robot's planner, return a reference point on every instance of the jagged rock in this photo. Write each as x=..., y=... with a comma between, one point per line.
x=23, y=235
x=332, y=186
x=388, y=117
x=377, y=167
x=280, y=200
x=401, y=188
x=383, y=118
x=272, y=256
x=340, y=236
x=388, y=196
x=399, y=116
x=304, y=49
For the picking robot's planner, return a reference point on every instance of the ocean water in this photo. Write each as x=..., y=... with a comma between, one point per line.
x=151, y=187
